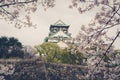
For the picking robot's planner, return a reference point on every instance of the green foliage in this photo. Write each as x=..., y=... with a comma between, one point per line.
x=71, y=57
x=51, y=52
x=68, y=58
x=10, y=47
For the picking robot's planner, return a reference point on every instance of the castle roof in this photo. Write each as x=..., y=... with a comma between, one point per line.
x=59, y=23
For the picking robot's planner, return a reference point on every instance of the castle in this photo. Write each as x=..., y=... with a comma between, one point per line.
x=59, y=34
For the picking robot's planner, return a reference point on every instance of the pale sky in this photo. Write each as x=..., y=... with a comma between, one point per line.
x=43, y=20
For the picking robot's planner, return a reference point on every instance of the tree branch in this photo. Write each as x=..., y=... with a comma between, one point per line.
x=7, y=12
x=14, y=3
x=99, y=32
x=16, y=19
x=112, y=8
x=107, y=51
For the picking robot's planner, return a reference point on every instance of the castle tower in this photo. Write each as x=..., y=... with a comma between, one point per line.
x=59, y=34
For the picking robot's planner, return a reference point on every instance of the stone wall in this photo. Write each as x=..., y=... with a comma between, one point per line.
x=32, y=69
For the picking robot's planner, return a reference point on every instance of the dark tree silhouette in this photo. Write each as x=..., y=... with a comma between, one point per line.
x=10, y=47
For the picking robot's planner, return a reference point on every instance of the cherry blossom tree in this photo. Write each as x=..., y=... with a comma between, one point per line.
x=92, y=37
x=12, y=10
x=107, y=16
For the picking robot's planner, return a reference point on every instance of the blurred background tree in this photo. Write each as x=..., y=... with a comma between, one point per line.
x=51, y=52
x=10, y=47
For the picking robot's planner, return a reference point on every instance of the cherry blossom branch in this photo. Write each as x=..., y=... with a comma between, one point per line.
x=113, y=8
x=28, y=23
x=5, y=11
x=107, y=51
x=14, y=3
x=99, y=32
x=109, y=27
